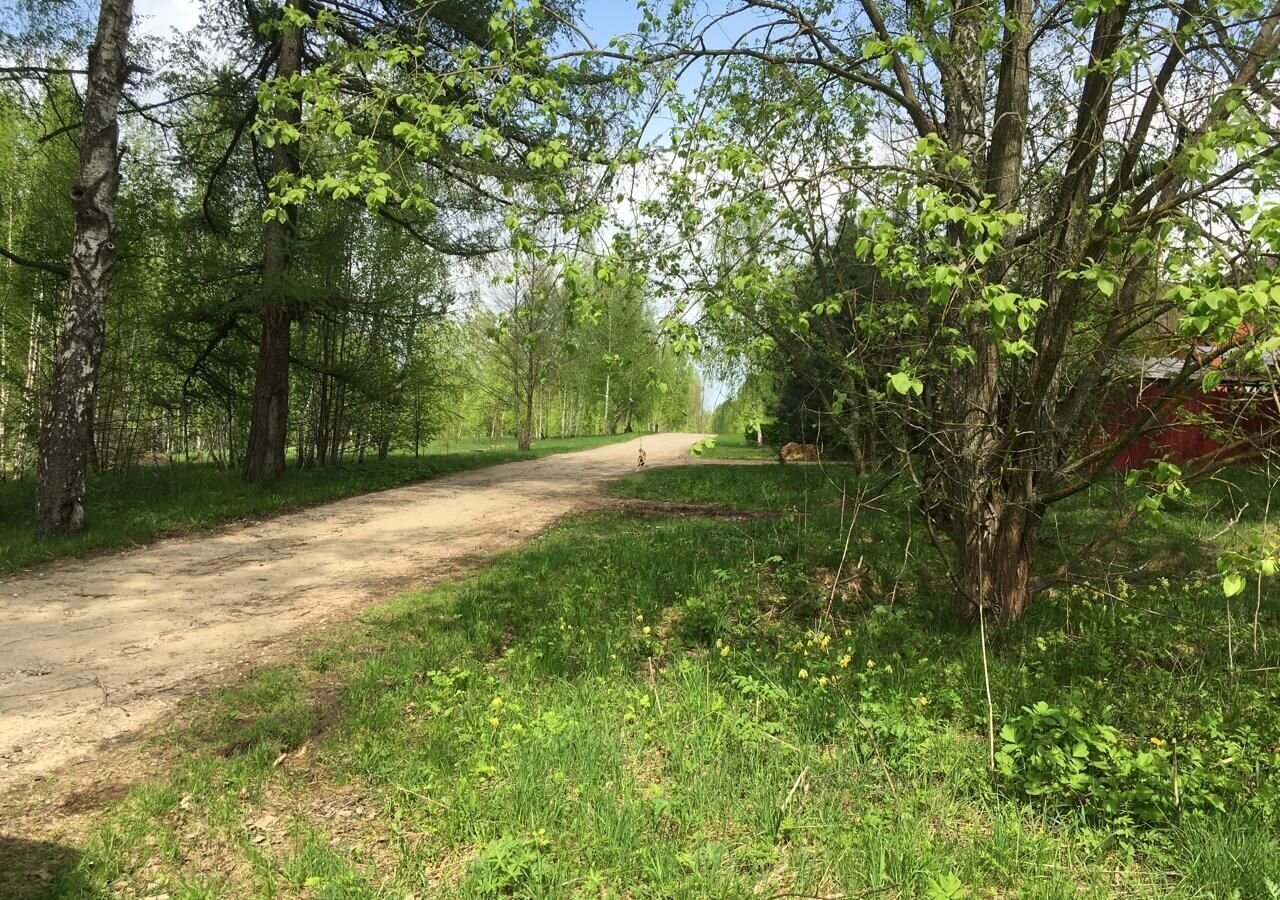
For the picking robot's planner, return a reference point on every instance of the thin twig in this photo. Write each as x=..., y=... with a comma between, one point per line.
x=986, y=675
x=853, y=522
x=782, y=810
x=423, y=797
x=653, y=685
x=1231, y=524
x=906, y=555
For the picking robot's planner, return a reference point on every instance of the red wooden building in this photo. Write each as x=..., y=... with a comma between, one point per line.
x=1238, y=417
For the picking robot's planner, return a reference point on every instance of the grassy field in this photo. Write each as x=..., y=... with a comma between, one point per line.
x=148, y=502
x=694, y=706
x=736, y=446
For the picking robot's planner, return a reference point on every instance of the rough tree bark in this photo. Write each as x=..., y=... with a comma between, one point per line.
x=968, y=408
x=269, y=416
x=66, y=432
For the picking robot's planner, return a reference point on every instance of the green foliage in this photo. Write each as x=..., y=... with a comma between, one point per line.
x=630, y=701
x=510, y=865
x=951, y=310
x=1061, y=760
x=546, y=357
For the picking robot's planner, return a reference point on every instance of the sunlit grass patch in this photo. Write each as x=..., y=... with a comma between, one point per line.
x=736, y=446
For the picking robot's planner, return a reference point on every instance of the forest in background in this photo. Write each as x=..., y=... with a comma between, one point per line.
x=402, y=332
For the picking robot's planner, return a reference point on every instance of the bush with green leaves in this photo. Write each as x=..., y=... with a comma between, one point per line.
x=1068, y=763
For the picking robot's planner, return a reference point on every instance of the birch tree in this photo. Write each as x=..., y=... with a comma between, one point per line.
x=66, y=432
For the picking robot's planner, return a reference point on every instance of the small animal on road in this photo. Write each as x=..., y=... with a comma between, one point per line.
x=794, y=452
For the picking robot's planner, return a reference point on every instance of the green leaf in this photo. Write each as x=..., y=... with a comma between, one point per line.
x=1232, y=584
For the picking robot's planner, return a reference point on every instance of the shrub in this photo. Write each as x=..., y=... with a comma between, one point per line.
x=1069, y=763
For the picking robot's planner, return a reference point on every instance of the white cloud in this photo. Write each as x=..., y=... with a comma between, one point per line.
x=160, y=17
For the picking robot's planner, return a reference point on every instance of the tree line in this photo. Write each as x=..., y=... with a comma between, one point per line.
x=945, y=232
x=173, y=311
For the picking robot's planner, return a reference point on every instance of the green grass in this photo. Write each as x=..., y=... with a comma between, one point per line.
x=148, y=502
x=736, y=446
x=683, y=708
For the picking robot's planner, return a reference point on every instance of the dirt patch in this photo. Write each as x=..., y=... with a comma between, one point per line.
x=325, y=702
x=662, y=508
x=101, y=648
x=852, y=587
x=94, y=797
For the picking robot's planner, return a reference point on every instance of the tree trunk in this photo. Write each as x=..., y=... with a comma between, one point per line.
x=4, y=400
x=524, y=429
x=66, y=434
x=606, y=427
x=20, y=447
x=269, y=422
x=997, y=548
x=4, y=373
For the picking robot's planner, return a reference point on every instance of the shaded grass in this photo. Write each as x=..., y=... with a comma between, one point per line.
x=147, y=502
x=685, y=708
x=1181, y=541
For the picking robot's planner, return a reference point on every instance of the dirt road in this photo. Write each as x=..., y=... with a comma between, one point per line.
x=93, y=649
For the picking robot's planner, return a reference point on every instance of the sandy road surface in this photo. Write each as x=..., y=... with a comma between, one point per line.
x=93, y=649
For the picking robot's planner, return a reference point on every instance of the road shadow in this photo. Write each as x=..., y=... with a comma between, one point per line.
x=42, y=870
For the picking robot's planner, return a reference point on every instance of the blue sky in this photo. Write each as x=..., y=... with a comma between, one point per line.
x=602, y=18
x=605, y=18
